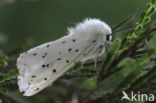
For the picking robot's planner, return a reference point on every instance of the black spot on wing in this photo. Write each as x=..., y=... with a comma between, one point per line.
x=47, y=65
x=93, y=41
x=37, y=89
x=48, y=46
x=74, y=40
x=76, y=50
x=69, y=49
x=34, y=54
x=67, y=61
x=45, y=54
x=58, y=58
x=33, y=76
x=43, y=65
x=63, y=42
x=54, y=70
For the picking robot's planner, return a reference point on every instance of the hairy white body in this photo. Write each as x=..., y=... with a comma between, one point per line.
x=39, y=67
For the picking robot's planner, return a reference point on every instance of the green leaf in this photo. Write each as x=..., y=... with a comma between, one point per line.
x=125, y=61
x=148, y=19
x=85, y=83
x=152, y=11
x=3, y=61
x=3, y=90
x=9, y=76
x=144, y=20
x=142, y=15
x=129, y=70
x=153, y=1
x=115, y=45
x=78, y=66
x=149, y=4
x=152, y=42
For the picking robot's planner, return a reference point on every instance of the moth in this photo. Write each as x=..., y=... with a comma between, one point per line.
x=40, y=66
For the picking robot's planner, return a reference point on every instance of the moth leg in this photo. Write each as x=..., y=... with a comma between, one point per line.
x=106, y=44
x=99, y=50
x=106, y=47
x=95, y=65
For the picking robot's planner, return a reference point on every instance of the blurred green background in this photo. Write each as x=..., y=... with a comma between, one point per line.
x=41, y=21
x=33, y=22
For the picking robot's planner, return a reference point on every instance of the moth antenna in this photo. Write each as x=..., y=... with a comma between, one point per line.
x=123, y=30
x=125, y=21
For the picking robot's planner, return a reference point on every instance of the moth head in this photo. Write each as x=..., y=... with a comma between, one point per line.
x=108, y=37
x=92, y=27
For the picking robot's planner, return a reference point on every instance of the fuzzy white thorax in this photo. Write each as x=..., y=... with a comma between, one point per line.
x=90, y=26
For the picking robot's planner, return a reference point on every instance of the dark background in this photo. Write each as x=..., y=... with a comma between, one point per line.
x=46, y=20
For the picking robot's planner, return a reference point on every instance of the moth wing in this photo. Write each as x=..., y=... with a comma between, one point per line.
x=41, y=66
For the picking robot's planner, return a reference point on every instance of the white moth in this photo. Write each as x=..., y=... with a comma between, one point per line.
x=39, y=67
